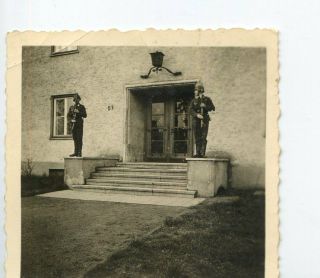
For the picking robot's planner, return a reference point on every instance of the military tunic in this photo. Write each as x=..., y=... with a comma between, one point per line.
x=200, y=127
x=77, y=126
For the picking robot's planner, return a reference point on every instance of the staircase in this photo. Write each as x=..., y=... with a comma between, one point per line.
x=137, y=178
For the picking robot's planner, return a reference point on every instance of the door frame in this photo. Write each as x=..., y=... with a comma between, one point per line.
x=128, y=89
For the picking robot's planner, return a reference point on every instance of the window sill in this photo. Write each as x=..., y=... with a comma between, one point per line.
x=61, y=138
x=54, y=54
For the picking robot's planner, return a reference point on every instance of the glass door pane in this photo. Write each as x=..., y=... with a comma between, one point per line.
x=157, y=128
x=180, y=130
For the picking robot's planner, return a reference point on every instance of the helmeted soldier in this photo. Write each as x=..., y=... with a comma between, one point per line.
x=199, y=108
x=76, y=114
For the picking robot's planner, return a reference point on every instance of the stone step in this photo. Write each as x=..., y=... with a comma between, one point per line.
x=136, y=185
x=148, y=165
x=141, y=170
x=140, y=175
x=137, y=190
x=150, y=183
x=140, y=178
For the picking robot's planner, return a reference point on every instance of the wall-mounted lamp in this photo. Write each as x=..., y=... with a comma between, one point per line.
x=157, y=60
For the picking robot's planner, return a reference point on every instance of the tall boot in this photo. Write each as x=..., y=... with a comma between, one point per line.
x=198, y=148
x=75, y=150
x=203, y=148
x=79, y=151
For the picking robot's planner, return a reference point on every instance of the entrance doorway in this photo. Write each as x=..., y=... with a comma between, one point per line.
x=168, y=126
x=159, y=126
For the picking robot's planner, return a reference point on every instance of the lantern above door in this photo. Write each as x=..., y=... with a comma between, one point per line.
x=157, y=61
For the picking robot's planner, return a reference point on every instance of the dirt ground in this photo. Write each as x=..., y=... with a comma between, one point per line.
x=66, y=238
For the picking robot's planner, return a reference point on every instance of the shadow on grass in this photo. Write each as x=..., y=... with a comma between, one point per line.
x=214, y=239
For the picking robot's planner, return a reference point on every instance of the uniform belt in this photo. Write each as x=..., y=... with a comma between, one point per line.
x=204, y=113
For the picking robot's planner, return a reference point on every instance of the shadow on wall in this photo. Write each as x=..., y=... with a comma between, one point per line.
x=219, y=154
x=248, y=176
x=222, y=154
x=241, y=175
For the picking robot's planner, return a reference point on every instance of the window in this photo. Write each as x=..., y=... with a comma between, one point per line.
x=58, y=50
x=60, y=124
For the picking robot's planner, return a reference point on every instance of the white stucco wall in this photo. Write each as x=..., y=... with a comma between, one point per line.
x=235, y=79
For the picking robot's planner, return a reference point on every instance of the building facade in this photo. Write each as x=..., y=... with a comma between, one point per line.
x=145, y=119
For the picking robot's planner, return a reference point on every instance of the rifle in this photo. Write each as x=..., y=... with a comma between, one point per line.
x=74, y=116
x=201, y=112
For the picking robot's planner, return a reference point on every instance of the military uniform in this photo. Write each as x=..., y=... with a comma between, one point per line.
x=77, y=127
x=200, y=127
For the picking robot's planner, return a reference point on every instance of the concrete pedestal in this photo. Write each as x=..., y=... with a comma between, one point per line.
x=77, y=169
x=206, y=175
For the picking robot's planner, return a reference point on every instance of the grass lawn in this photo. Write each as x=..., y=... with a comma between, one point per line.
x=73, y=238
x=67, y=238
x=214, y=239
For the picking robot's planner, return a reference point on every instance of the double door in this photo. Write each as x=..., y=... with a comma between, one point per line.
x=169, y=133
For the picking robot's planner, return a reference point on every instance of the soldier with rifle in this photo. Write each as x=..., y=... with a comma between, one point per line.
x=199, y=108
x=76, y=114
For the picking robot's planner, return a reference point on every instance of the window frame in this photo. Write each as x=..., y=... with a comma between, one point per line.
x=53, y=99
x=54, y=52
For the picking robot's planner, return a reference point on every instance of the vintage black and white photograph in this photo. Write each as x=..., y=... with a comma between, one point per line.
x=145, y=160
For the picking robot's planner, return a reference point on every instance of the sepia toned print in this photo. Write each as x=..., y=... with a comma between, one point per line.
x=167, y=168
